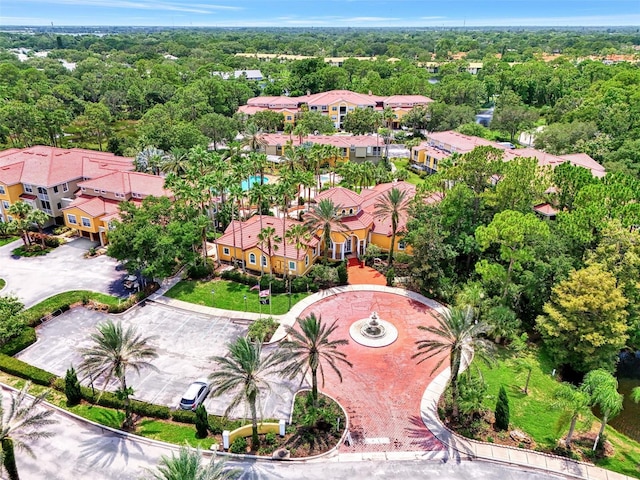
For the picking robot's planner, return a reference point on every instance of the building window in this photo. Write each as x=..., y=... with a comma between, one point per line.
x=324, y=108
x=252, y=258
x=71, y=219
x=334, y=109
x=292, y=266
x=343, y=211
x=401, y=245
x=103, y=192
x=289, y=117
x=83, y=189
x=46, y=206
x=306, y=260
x=6, y=204
x=2, y=190
x=65, y=187
x=119, y=195
x=315, y=252
x=86, y=222
x=96, y=190
x=351, y=211
x=264, y=261
x=136, y=195
x=28, y=188
x=55, y=189
x=225, y=251
x=59, y=205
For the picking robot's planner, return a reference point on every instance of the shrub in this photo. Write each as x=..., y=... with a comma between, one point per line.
x=324, y=276
x=390, y=276
x=16, y=367
x=262, y=329
x=199, y=271
x=150, y=410
x=183, y=416
x=502, y=410
x=219, y=424
x=60, y=230
x=25, y=338
x=270, y=438
x=202, y=422
x=239, y=445
x=72, y=387
x=343, y=274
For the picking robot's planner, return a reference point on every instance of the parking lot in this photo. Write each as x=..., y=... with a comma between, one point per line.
x=185, y=341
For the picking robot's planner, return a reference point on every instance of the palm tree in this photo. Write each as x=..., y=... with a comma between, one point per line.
x=176, y=162
x=39, y=218
x=459, y=336
x=252, y=137
x=187, y=465
x=393, y=205
x=575, y=404
x=602, y=387
x=150, y=160
x=20, y=211
x=268, y=240
x=244, y=371
x=22, y=422
x=114, y=351
x=307, y=349
x=324, y=216
x=297, y=235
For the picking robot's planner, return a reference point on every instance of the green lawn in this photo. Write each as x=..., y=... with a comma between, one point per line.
x=4, y=241
x=413, y=178
x=534, y=414
x=172, y=432
x=67, y=298
x=2, y=283
x=230, y=296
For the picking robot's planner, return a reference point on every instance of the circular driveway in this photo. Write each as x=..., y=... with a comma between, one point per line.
x=382, y=391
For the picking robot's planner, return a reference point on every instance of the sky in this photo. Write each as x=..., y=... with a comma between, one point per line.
x=321, y=13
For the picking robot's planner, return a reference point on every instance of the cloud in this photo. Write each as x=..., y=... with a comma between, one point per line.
x=144, y=5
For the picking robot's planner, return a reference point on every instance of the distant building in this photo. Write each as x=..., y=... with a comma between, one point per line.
x=335, y=104
x=254, y=75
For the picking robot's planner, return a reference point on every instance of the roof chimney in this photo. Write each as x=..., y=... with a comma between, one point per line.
x=308, y=93
x=370, y=93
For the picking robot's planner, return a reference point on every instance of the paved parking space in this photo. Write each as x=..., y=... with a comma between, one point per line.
x=65, y=268
x=185, y=341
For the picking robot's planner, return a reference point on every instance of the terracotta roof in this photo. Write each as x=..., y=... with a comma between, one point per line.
x=129, y=182
x=584, y=160
x=545, y=209
x=11, y=174
x=407, y=100
x=94, y=206
x=462, y=143
x=342, y=141
x=374, y=195
x=362, y=220
x=333, y=96
x=341, y=197
x=251, y=229
x=48, y=166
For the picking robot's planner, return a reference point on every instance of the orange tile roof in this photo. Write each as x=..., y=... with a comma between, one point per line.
x=545, y=209
x=585, y=161
x=48, y=166
x=374, y=195
x=94, y=206
x=341, y=197
x=248, y=237
x=11, y=174
x=129, y=182
x=342, y=141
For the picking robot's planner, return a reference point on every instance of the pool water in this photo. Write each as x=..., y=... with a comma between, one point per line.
x=251, y=181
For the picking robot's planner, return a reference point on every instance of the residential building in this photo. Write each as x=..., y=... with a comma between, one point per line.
x=353, y=148
x=441, y=145
x=45, y=177
x=97, y=201
x=240, y=243
x=78, y=188
x=335, y=104
x=252, y=75
x=361, y=227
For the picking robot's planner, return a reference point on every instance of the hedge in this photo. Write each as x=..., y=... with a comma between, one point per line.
x=16, y=367
x=19, y=343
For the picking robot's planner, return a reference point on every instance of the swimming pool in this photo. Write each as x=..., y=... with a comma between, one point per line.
x=251, y=181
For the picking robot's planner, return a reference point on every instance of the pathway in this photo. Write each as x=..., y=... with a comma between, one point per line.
x=363, y=275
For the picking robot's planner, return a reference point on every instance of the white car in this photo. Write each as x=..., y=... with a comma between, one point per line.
x=195, y=394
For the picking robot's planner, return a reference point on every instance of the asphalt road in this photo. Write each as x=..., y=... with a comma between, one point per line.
x=82, y=451
x=32, y=279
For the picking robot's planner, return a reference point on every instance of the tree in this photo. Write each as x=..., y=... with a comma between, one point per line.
x=502, y=410
x=298, y=236
x=114, y=351
x=585, y=323
x=511, y=115
x=11, y=318
x=563, y=138
x=72, y=387
x=20, y=212
x=150, y=160
x=575, y=404
x=202, y=422
x=569, y=180
x=324, y=217
x=268, y=240
x=393, y=205
x=187, y=465
x=218, y=128
x=39, y=218
x=268, y=121
x=307, y=349
x=22, y=421
x=602, y=388
x=515, y=234
x=525, y=364
x=244, y=371
x=457, y=336
x=316, y=122
x=95, y=121
x=361, y=121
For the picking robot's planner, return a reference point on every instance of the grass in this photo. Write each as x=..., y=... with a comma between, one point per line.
x=172, y=432
x=23, y=251
x=413, y=178
x=534, y=413
x=2, y=283
x=230, y=296
x=52, y=304
x=5, y=240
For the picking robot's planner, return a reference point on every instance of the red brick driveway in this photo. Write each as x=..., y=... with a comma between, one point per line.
x=382, y=391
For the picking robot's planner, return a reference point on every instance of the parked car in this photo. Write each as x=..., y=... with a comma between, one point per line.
x=195, y=394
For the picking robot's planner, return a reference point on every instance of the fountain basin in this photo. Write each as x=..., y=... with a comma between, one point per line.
x=373, y=332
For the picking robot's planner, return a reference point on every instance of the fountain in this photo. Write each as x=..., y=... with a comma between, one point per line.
x=373, y=331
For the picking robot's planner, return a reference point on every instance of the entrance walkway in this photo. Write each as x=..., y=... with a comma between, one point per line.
x=382, y=391
x=359, y=275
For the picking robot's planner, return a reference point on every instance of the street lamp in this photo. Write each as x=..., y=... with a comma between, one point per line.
x=213, y=292
x=245, y=303
x=290, y=280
